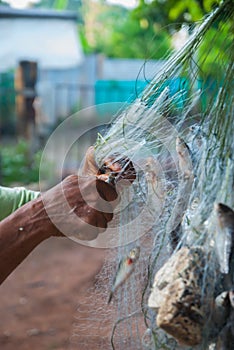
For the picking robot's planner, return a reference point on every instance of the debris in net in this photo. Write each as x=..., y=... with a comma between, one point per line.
x=173, y=227
x=125, y=269
x=178, y=296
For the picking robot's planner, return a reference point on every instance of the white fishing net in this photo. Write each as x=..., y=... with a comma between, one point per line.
x=170, y=204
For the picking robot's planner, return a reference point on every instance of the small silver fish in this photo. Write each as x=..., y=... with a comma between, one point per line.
x=231, y=297
x=125, y=269
x=184, y=155
x=225, y=236
x=221, y=310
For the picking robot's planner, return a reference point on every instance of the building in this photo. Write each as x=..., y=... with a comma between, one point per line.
x=50, y=39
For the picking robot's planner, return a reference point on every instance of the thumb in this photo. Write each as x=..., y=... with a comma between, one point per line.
x=89, y=166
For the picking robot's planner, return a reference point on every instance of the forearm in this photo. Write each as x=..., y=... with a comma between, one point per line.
x=20, y=233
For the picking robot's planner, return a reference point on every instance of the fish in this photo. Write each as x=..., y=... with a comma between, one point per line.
x=185, y=157
x=231, y=297
x=225, y=239
x=125, y=269
x=221, y=310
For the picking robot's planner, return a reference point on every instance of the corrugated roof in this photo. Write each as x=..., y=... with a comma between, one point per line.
x=9, y=12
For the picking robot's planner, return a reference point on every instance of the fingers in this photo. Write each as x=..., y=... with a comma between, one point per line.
x=91, y=197
x=101, y=222
x=121, y=168
x=96, y=211
x=97, y=223
x=106, y=191
x=81, y=207
x=89, y=167
x=103, y=218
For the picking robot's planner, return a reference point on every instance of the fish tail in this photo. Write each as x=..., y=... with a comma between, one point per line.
x=110, y=297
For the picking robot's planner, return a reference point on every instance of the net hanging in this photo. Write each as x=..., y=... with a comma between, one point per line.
x=179, y=135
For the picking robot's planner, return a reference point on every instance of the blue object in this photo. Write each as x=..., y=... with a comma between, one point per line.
x=107, y=91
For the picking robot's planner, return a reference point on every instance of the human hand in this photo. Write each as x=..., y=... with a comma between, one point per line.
x=79, y=206
x=117, y=167
x=82, y=206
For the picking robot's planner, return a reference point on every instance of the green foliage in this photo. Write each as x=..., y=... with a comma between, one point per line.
x=60, y=4
x=120, y=34
x=217, y=60
x=16, y=166
x=172, y=14
x=175, y=12
x=83, y=39
x=187, y=6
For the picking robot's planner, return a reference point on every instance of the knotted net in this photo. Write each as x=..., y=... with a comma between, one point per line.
x=169, y=207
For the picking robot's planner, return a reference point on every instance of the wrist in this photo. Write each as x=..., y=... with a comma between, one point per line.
x=39, y=220
x=31, y=221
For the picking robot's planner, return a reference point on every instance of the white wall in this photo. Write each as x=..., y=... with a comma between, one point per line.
x=127, y=69
x=53, y=43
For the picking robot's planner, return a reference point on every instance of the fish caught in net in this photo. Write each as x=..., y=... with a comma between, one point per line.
x=179, y=135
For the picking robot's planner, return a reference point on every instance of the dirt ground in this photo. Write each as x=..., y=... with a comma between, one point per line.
x=39, y=300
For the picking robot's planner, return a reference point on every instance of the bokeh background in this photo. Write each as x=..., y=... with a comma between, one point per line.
x=58, y=57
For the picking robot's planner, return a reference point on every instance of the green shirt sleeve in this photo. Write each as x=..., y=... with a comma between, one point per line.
x=13, y=198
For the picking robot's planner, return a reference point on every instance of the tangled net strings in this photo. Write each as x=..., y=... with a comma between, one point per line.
x=164, y=211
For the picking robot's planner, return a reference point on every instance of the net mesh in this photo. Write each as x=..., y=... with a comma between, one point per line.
x=167, y=208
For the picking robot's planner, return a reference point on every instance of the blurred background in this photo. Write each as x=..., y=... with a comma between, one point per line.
x=60, y=56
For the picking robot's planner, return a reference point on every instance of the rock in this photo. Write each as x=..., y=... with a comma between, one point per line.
x=178, y=296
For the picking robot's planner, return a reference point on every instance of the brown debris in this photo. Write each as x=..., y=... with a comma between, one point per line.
x=177, y=296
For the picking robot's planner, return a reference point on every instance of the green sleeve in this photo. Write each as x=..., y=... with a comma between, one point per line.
x=13, y=198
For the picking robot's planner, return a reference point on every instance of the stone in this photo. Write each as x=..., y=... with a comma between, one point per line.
x=178, y=296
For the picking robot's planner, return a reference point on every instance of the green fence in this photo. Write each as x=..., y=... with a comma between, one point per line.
x=127, y=91
x=7, y=103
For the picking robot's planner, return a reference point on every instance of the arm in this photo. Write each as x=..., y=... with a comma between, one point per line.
x=80, y=206
x=20, y=233
x=47, y=216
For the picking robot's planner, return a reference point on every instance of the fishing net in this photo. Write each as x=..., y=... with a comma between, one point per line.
x=169, y=209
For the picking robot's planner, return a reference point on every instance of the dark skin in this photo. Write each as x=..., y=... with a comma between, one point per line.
x=81, y=205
